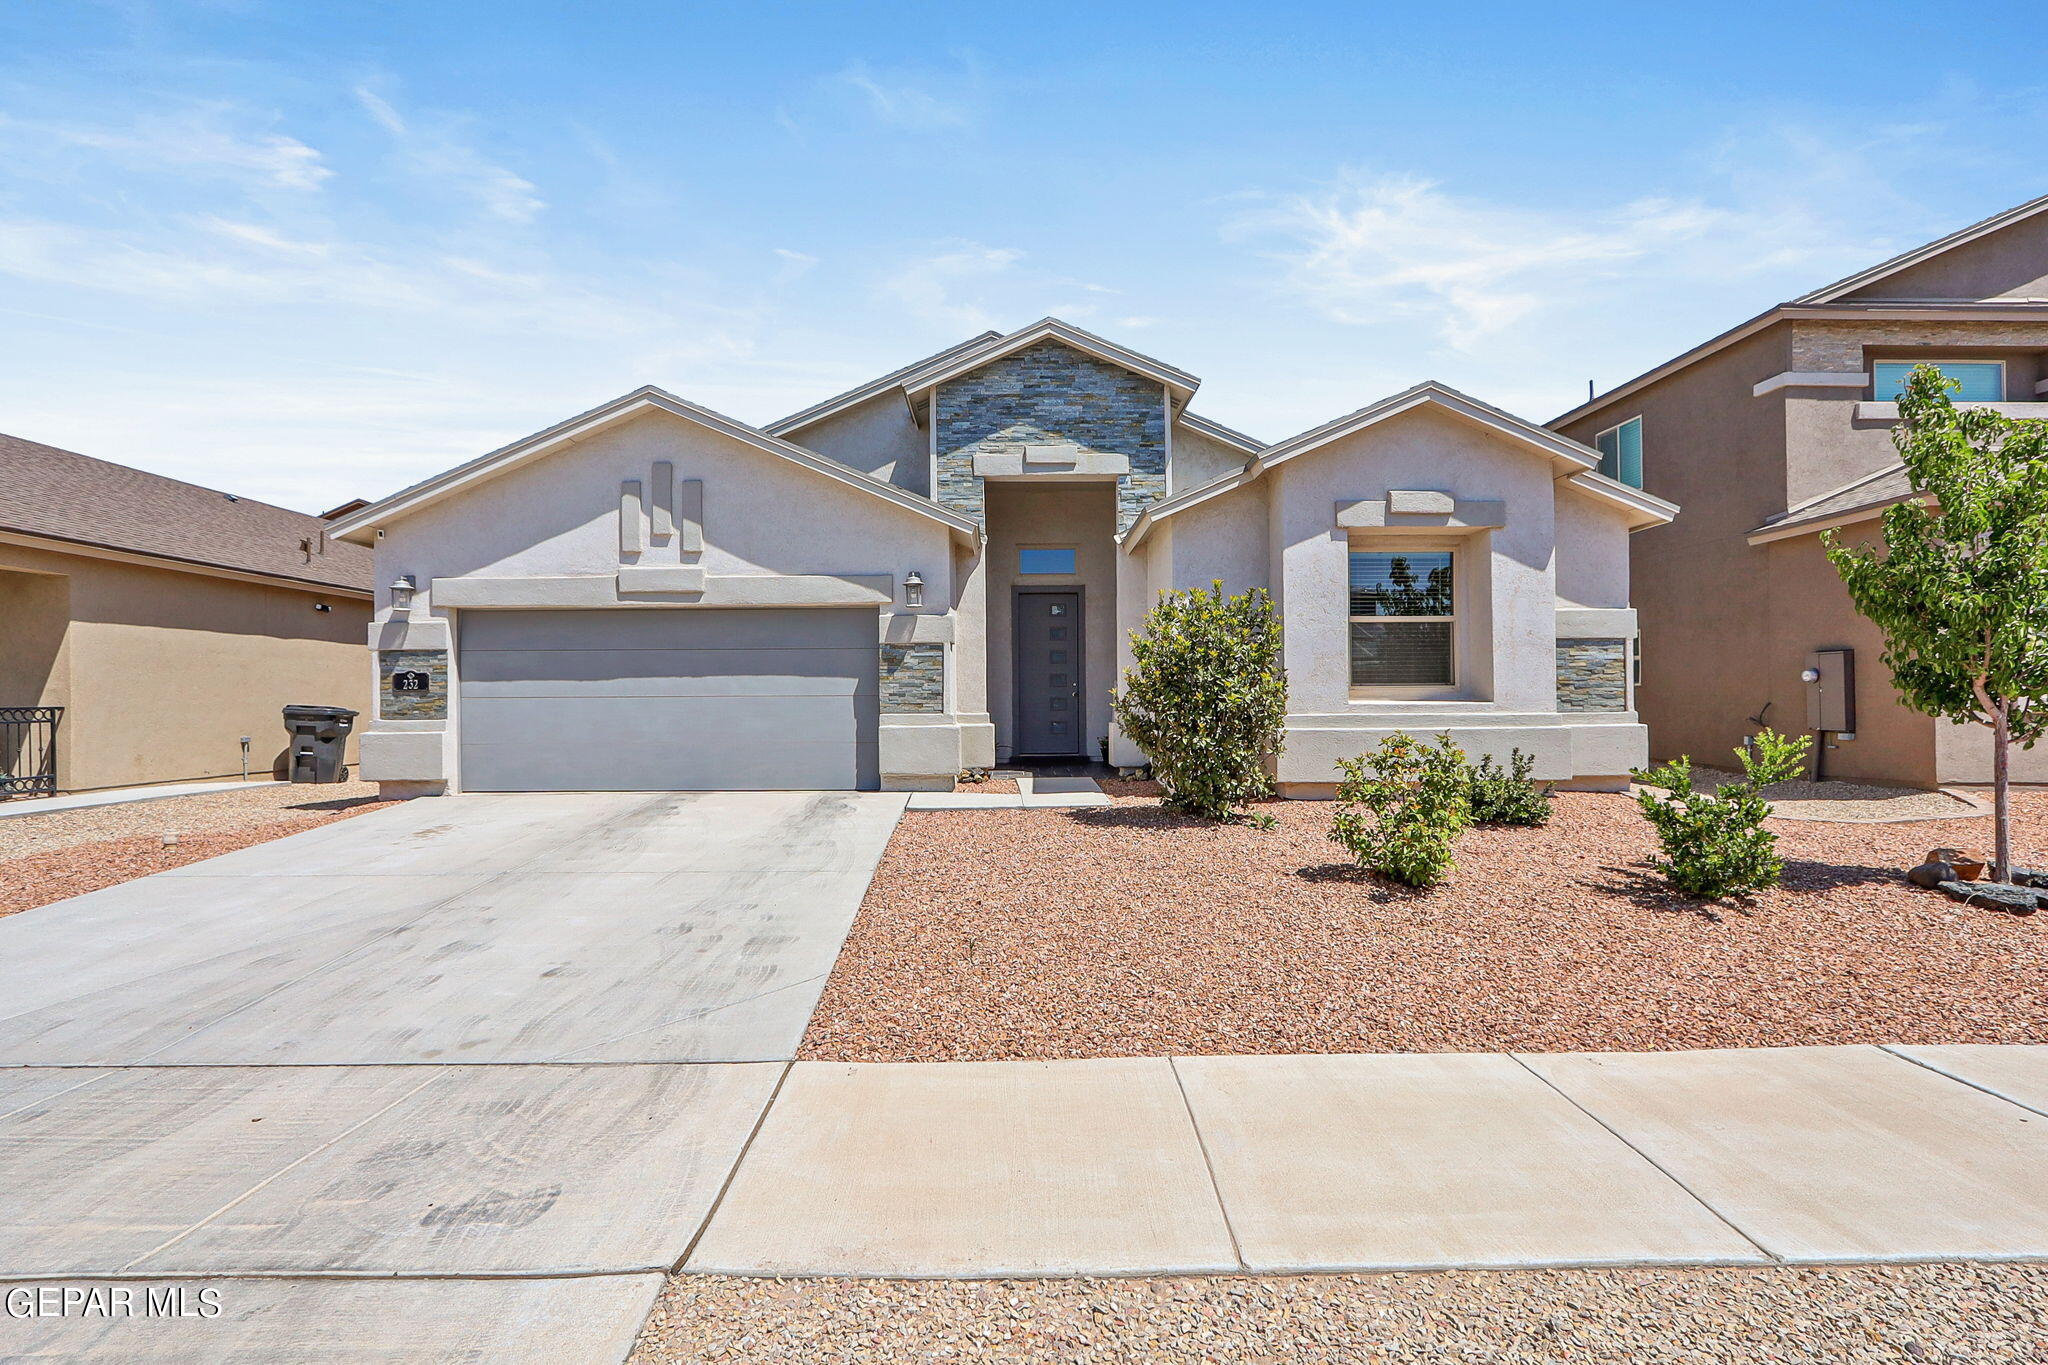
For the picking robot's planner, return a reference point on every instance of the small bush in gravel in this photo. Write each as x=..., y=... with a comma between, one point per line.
x=1715, y=843
x=1506, y=796
x=1402, y=807
x=1206, y=696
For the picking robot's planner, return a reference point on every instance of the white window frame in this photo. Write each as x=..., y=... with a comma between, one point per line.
x=1937, y=364
x=1456, y=548
x=1644, y=472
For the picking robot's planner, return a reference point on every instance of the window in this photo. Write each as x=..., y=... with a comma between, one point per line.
x=1045, y=561
x=1983, y=381
x=1402, y=618
x=1621, y=452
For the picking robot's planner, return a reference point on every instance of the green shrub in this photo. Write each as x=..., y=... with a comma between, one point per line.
x=1205, y=697
x=1401, y=808
x=1715, y=843
x=1507, y=796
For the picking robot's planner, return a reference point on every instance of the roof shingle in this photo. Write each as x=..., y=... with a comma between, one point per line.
x=45, y=491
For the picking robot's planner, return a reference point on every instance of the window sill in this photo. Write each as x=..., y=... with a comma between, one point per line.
x=1420, y=695
x=1868, y=411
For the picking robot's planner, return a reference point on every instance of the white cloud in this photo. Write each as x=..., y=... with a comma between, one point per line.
x=200, y=139
x=1368, y=250
x=929, y=287
x=435, y=151
x=795, y=265
x=902, y=102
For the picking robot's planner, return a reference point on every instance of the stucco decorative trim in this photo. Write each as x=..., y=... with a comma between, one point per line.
x=632, y=515
x=720, y=590
x=1868, y=411
x=1003, y=464
x=361, y=525
x=411, y=632
x=1811, y=379
x=917, y=627
x=664, y=500
x=1462, y=515
x=1595, y=623
x=645, y=578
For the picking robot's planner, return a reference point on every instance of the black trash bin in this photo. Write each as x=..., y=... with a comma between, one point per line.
x=319, y=737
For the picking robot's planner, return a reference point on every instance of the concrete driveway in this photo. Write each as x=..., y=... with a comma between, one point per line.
x=463, y=1037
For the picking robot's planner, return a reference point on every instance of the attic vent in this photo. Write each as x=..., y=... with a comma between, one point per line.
x=231, y=497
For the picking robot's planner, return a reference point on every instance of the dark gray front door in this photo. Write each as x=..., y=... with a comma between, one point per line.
x=1049, y=717
x=684, y=700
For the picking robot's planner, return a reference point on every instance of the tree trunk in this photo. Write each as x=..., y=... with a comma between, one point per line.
x=2001, y=796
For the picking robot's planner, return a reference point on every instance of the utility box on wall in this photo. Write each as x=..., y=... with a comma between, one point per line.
x=1831, y=691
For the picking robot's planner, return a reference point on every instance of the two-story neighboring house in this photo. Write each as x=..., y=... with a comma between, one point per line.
x=1778, y=430
x=940, y=569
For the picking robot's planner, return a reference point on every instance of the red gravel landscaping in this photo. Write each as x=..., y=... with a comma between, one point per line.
x=1126, y=931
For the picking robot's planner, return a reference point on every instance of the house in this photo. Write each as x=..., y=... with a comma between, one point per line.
x=165, y=619
x=939, y=570
x=1778, y=430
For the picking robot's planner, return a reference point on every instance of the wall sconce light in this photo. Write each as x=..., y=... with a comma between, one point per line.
x=402, y=589
x=1809, y=675
x=913, y=589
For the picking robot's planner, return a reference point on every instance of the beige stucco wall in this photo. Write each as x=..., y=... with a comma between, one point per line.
x=877, y=436
x=2009, y=264
x=1198, y=459
x=763, y=517
x=1281, y=531
x=161, y=671
x=1082, y=515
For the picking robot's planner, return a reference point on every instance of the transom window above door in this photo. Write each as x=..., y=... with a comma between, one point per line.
x=1046, y=559
x=1983, y=381
x=1403, y=618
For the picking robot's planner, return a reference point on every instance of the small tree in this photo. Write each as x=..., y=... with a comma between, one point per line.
x=1961, y=591
x=1205, y=697
x=1401, y=808
x=1715, y=843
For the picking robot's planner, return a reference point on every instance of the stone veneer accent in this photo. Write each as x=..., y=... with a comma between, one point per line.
x=431, y=704
x=1044, y=394
x=1824, y=344
x=913, y=679
x=1592, y=675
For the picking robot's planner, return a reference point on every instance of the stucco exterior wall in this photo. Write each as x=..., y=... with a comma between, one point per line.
x=161, y=671
x=1702, y=593
x=1082, y=515
x=1198, y=459
x=877, y=436
x=2008, y=264
x=763, y=518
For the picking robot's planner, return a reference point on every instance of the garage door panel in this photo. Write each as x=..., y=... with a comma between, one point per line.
x=798, y=628
x=669, y=700
x=667, y=672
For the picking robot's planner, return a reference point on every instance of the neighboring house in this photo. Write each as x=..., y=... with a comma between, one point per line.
x=939, y=570
x=167, y=620
x=1778, y=430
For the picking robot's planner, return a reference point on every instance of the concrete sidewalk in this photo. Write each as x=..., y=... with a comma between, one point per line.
x=1332, y=1163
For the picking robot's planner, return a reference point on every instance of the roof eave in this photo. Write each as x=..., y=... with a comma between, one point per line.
x=1179, y=384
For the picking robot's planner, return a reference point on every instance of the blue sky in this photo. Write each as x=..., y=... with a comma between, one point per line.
x=313, y=251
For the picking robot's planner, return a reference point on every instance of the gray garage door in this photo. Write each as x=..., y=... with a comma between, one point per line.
x=669, y=700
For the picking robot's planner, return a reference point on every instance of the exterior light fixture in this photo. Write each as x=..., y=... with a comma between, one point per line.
x=913, y=589
x=402, y=589
x=1809, y=675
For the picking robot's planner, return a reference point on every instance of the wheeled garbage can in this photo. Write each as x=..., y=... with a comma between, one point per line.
x=319, y=738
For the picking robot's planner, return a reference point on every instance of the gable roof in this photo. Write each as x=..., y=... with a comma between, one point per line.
x=1178, y=383
x=1577, y=462
x=360, y=525
x=1216, y=431
x=1856, y=500
x=54, y=494
x=1833, y=293
x=1826, y=302
x=838, y=403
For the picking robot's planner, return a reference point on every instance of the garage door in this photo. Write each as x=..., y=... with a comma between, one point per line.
x=669, y=700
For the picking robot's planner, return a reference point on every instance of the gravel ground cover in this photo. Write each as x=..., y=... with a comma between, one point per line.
x=45, y=858
x=1889, y=1314
x=1851, y=801
x=994, y=786
x=1126, y=931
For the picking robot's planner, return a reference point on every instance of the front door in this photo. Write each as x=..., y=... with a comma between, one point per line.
x=1048, y=652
